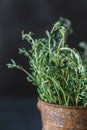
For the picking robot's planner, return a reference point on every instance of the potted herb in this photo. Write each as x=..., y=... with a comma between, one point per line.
x=60, y=75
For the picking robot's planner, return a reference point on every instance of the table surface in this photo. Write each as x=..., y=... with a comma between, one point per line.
x=19, y=113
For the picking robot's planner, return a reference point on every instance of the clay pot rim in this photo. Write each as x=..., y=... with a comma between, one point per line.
x=61, y=106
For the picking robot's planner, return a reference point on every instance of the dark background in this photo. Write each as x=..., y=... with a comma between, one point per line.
x=18, y=97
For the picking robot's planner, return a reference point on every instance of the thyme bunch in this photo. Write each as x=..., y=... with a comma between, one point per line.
x=57, y=70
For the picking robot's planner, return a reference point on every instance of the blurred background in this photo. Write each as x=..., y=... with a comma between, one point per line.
x=18, y=97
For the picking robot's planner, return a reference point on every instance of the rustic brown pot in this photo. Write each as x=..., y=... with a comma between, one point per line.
x=55, y=117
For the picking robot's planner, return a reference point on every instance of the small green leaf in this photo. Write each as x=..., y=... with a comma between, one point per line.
x=23, y=51
x=13, y=62
x=10, y=66
x=47, y=33
x=29, y=79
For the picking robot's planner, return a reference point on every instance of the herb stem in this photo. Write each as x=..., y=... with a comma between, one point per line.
x=69, y=49
x=26, y=72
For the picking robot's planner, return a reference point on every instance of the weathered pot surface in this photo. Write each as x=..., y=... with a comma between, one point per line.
x=55, y=117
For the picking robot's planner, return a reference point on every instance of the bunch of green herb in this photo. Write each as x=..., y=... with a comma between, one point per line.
x=57, y=70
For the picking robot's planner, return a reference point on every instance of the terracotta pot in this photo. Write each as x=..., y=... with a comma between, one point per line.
x=55, y=117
